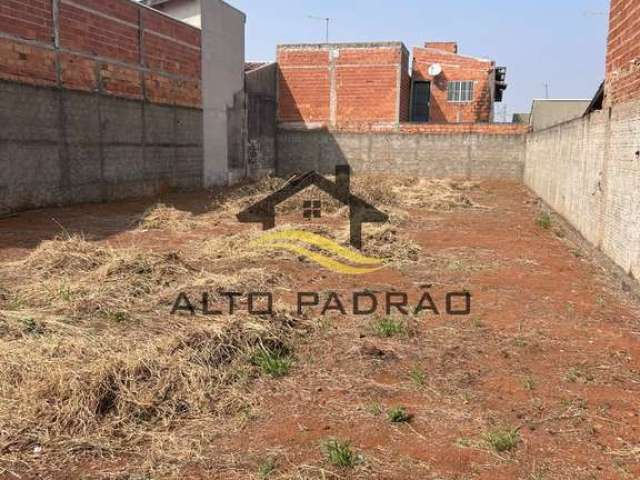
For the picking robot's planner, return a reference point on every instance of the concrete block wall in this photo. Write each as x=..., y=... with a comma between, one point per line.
x=343, y=84
x=462, y=153
x=588, y=170
x=61, y=147
x=99, y=100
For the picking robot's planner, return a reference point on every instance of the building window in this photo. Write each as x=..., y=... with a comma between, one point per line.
x=312, y=209
x=460, y=91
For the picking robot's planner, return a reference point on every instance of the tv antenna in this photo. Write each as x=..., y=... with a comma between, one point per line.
x=326, y=20
x=546, y=89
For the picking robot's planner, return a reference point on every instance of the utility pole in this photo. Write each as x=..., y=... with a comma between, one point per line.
x=546, y=90
x=326, y=20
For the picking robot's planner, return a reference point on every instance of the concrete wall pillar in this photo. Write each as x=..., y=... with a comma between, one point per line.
x=222, y=91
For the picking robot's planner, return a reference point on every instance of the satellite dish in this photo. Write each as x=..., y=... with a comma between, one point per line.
x=435, y=69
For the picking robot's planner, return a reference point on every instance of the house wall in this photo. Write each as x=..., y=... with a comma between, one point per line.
x=455, y=67
x=261, y=87
x=547, y=113
x=113, y=47
x=623, y=54
x=465, y=151
x=342, y=84
x=223, y=98
x=98, y=100
x=61, y=147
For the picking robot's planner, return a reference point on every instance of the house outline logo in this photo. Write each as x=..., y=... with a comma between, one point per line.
x=360, y=211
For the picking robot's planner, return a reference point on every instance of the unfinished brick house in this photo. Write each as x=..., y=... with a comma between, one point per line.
x=452, y=88
x=343, y=84
x=348, y=84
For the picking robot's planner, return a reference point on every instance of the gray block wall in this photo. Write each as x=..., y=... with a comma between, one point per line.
x=588, y=170
x=430, y=155
x=261, y=90
x=60, y=147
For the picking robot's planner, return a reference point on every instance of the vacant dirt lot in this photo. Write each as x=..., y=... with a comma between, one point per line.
x=98, y=380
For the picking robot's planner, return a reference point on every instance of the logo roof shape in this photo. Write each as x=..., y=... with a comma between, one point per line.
x=360, y=211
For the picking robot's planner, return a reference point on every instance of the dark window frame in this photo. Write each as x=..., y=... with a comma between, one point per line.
x=312, y=209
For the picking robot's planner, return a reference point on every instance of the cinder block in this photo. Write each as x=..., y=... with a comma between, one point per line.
x=121, y=121
x=123, y=164
x=28, y=113
x=159, y=124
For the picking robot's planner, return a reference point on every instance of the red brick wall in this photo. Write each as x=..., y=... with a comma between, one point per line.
x=115, y=47
x=340, y=85
x=32, y=20
x=367, y=84
x=623, y=54
x=437, y=128
x=451, y=47
x=303, y=86
x=405, y=89
x=455, y=67
x=480, y=128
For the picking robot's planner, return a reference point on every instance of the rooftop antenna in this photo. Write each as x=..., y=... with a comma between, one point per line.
x=546, y=90
x=326, y=20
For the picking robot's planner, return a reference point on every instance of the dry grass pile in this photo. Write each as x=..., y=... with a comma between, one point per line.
x=391, y=194
x=413, y=192
x=81, y=279
x=387, y=242
x=78, y=278
x=439, y=195
x=91, y=358
x=236, y=198
x=381, y=190
x=110, y=389
x=163, y=217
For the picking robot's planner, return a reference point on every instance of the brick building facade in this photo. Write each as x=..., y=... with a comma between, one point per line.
x=343, y=84
x=365, y=84
x=463, y=91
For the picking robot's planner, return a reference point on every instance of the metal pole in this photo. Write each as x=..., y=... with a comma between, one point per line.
x=327, y=36
x=326, y=21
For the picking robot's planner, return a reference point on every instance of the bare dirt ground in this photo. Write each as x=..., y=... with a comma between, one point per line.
x=98, y=381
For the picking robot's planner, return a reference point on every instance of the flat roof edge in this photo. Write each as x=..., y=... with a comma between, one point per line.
x=561, y=99
x=323, y=46
x=231, y=7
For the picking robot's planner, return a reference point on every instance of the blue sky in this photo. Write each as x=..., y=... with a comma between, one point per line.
x=561, y=42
